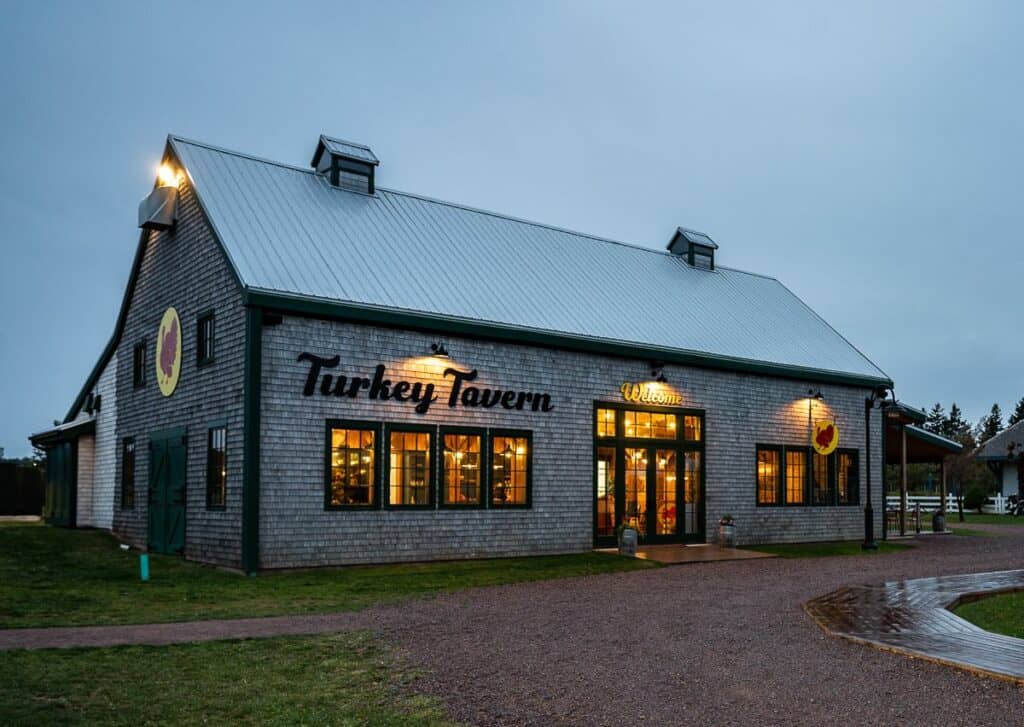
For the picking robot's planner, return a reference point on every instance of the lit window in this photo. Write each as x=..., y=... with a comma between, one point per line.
x=692, y=428
x=768, y=472
x=606, y=422
x=139, y=365
x=649, y=425
x=204, y=340
x=352, y=466
x=128, y=473
x=796, y=476
x=820, y=479
x=847, y=478
x=410, y=483
x=463, y=471
x=510, y=469
x=217, y=467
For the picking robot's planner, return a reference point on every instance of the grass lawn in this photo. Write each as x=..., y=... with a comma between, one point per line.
x=976, y=518
x=1003, y=614
x=825, y=550
x=346, y=679
x=56, y=577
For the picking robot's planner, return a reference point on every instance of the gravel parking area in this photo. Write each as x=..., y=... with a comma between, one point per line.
x=720, y=643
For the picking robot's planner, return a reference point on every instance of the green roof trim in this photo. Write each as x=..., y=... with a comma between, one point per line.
x=932, y=438
x=372, y=315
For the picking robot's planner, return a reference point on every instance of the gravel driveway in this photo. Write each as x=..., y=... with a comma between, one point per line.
x=720, y=643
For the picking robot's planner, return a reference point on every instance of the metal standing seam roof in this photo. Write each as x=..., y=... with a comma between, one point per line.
x=288, y=231
x=349, y=148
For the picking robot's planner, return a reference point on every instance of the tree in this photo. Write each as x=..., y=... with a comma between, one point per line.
x=991, y=425
x=936, y=421
x=960, y=466
x=955, y=424
x=1018, y=413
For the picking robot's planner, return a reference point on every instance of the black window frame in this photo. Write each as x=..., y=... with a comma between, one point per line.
x=210, y=469
x=139, y=365
x=432, y=465
x=830, y=479
x=780, y=476
x=127, y=484
x=516, y=433
x=375, y=490
x=442, y=485
x=855, y=454
x=206, y=340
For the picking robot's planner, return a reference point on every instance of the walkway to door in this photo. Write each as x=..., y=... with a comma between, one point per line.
x=914, y=617
x=680, y=554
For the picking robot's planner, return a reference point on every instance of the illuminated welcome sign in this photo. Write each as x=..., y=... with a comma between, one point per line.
x=650, y=393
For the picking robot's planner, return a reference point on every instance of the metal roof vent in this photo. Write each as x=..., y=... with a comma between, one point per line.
x=696, y=247
x=345, y=164
x=159, y=210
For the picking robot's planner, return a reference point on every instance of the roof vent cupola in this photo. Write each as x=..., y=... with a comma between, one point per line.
x=697, y=248
x=345, y=164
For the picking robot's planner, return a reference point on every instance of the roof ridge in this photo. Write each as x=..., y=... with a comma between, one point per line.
x=469, y=208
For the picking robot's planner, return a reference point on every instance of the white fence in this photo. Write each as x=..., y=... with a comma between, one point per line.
x=995, y=505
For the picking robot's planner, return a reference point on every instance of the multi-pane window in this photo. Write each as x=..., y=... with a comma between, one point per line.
x=410, y=482
x=510, y=469
x=139, y=365
x=820, y=494
x=204, y=339
x=606, y=422
x=847, y=478
x=649, y=425
x=463, y=468
x=769, y=468
x=691, y=428
x=216, y=467
x=353, y=461
x=796, y=476
x=128, y=472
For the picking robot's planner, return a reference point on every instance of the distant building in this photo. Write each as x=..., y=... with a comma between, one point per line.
x=1004, y=454
x=310, y=369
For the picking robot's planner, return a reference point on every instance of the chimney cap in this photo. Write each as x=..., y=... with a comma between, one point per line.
x=345, y=149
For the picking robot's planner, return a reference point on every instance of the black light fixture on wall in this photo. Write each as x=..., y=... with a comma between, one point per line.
x=658, y=372
x=439, y=350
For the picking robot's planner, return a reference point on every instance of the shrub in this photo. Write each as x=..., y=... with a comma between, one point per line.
x=975, y=498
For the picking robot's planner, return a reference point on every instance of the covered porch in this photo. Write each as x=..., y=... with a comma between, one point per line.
x=907, y=442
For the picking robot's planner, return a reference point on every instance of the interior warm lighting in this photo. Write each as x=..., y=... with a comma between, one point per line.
x=168, y=176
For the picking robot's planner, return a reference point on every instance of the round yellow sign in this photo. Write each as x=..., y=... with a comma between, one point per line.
x=826, y=437
x=168, y=352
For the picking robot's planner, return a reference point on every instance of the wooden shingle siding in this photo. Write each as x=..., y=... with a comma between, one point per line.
x=185, y=268
x=741, y=411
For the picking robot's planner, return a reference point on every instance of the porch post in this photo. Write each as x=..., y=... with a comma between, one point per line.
x=942, y=486
x=903, y=479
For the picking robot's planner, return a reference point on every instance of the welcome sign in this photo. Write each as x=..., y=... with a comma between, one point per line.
x=650, y=393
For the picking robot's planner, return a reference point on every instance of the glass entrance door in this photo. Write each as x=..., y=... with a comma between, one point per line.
x=648, y=473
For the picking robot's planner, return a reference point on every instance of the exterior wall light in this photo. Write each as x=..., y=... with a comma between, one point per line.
x=168, y=176
x=438, y=350
x=815, y=394
x=658, y=372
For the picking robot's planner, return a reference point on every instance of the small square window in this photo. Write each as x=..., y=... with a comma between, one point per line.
x=204, y=339
x=139, y=365
x=606, y=422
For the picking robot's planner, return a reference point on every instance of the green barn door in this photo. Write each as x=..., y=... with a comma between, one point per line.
x=167, y=492
x=60, y=486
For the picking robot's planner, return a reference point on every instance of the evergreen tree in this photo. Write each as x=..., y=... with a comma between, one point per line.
x=992, y=424
x=1018, y=413
x=936, y=421
x=955, y=424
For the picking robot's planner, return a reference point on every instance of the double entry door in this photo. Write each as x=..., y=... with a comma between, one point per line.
x=655, y=489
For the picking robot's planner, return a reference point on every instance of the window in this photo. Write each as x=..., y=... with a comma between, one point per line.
x=128, y=473
x=204, y=339
x=820, y=480
x=847, y=478
x=606, y=422
x=796, y=476
x=410, y=481
x=462, y=460
x=769, y=472
x=691, y=428
x=510, y=469
x=216, y=467
x=352, y=465
x=139, y=365
x=649, y=425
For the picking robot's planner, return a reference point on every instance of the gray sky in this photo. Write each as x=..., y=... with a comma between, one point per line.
x=868, y=155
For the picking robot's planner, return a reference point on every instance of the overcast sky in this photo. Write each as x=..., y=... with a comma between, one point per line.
x=869, y=156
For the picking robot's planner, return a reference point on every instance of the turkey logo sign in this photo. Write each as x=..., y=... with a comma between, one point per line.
x=826, y=437
x=168, y=352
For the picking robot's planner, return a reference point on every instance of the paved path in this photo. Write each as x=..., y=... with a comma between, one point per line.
x=914, y=618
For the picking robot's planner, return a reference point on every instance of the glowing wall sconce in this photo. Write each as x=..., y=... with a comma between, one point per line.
x=438, y=350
